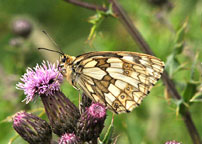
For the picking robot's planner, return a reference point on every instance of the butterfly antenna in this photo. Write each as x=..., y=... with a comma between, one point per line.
x=51, y=50
x=49, y=37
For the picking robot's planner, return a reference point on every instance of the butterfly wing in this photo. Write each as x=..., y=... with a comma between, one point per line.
x=120, y=80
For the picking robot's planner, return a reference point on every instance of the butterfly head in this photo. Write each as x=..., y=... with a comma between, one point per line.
x=65, y=61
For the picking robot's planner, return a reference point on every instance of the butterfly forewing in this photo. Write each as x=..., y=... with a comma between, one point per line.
x=120, y=80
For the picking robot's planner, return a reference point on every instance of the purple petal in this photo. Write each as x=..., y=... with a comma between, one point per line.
x=43, y=79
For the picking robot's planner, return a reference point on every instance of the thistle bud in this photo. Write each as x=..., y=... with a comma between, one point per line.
x=32, y=128
x=22, y=27
x=91, y=122
x=69, y=138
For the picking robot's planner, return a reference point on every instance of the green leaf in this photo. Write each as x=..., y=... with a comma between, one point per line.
x=181, y=32
x=197, y=97
x=109, y=12
x=172, y=64
x=181, y=107
x=108, y=136
x=193, y=68
x=97, y=19
x=179, y=39
x=189, y=92
x=178, y=48
x=178, y=108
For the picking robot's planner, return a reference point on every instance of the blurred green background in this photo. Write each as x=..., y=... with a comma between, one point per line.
x=155, y=120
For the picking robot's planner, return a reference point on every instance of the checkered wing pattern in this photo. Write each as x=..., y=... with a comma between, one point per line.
x=119, y=80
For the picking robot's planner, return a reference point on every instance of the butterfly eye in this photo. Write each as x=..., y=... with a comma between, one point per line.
x=64, y=59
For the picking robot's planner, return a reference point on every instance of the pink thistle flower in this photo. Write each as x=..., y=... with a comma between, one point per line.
x=97, y=110
x=43, y=79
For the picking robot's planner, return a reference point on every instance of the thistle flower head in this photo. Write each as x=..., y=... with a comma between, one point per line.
x=43, y=79
x=69, y=138
x=32, y=128
x=97, y=110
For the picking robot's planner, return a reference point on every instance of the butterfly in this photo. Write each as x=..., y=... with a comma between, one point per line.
x=119, y=80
